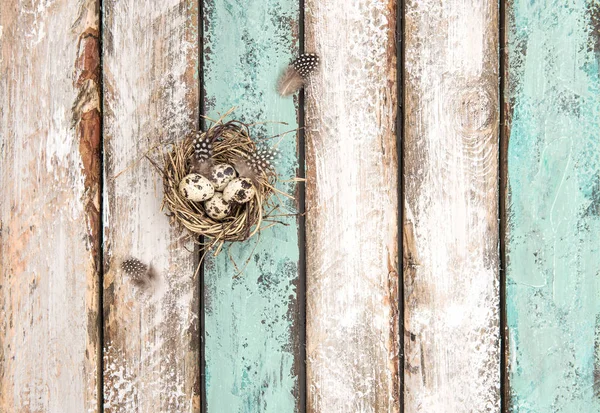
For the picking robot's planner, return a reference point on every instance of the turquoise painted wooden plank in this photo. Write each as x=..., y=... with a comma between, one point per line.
x=553, y=206
x=252, y=321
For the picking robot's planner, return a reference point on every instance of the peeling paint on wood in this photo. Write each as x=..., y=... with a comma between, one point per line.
x=252, y=326
x=553, y=243
x=151, y=336
x=49, y=220
x=352, y=246
x=451, y=262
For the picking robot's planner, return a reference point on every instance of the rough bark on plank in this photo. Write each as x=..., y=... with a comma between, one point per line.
x=151, y=336
x=352, y=246
x=451, y=260
x=49, y=208
x=553, y=206
x=252, y=320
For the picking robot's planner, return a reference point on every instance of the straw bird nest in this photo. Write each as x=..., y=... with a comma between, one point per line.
x=218, y=184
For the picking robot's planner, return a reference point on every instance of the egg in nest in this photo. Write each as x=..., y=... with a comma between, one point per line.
x=220, y=175
x=195, y=187
x=217, y=208
x=240, y=190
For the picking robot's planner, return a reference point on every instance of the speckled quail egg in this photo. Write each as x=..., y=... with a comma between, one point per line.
x=216, y=207
x=195, y=187
x=220, y=175
x=239, y=190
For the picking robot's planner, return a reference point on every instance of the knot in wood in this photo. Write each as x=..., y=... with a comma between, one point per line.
x=476, y=111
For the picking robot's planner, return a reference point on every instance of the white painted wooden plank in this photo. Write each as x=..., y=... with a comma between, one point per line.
x=49, y=219
x=451, y=235
x=151, y=336
x=351, y=247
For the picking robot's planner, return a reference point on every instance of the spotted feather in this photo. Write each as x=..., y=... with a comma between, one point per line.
x=297, y=73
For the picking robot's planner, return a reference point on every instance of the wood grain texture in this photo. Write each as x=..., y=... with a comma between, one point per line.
x=553, y=206
x=151, y=336
x=252, y=326
x=351, y=226
x=49, y=218
x=451, y=232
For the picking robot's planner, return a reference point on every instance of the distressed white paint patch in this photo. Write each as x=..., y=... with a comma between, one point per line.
x=59, y=143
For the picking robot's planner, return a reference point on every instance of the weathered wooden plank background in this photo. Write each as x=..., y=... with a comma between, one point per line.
x=351, y=226
x=49, y=219
x=553, y=206
x=151, y=95
x=252, y=320
x=78, y=335
x=451, y=233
